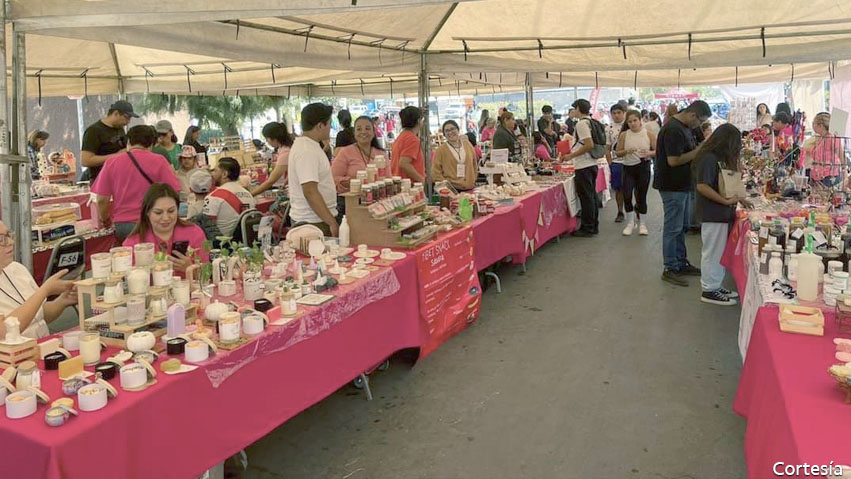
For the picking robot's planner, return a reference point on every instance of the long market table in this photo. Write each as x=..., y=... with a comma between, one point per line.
x=187, y=423
x=794, y=410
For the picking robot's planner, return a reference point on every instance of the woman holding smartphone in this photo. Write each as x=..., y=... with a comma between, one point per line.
x=159, y=224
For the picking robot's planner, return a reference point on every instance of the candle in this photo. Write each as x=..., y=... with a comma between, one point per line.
x=229, y=327
x=252, y=289
x=101, y=265
x=135, y=310
x=138, y=280
x=180, y=291
x=144, y=253
x=122, y=259
x=90, y=348
x=113, y=292
x=162, y=273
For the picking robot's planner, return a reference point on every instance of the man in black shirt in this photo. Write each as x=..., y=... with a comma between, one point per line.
x=545, y=127
x=676, y=147
x=105, y=138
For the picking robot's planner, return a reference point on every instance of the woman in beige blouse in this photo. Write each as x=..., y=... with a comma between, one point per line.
x=455, y=160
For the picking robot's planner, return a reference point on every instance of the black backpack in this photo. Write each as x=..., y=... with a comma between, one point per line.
x=598, y=135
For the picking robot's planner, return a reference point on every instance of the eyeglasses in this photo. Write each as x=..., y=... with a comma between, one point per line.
x=7, y=239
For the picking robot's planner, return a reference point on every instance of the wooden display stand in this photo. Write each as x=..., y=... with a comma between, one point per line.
x=367, y=229
x=116, y=334
x=14, y=354
x=801, y=319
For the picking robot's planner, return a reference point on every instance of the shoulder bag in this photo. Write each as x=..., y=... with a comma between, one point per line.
x=133, y=159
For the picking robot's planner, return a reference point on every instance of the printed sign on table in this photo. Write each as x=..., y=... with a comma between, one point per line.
x=449, y=287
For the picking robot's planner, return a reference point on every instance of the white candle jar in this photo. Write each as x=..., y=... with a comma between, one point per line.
x=252, y=289
x=229, y=327
x=180, y=292
x=113, y=291
x=144, y=254
x=101, y=265
x=122, y=259
x=161, y=273
x=138, y=281
x=136, y=310
x=90, y=348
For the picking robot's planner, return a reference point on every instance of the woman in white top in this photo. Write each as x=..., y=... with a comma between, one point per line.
x=763, y=115
x=636, y=146
x=21, y=297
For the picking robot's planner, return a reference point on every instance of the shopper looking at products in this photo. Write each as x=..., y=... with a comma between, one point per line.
x=193, y=139
x=716, y=212
x=635, y=147
x=676, y=147
x=187, y=160
x=313, y=196
x=706, y=130
x=763, y=115
x=200, y=184
x=346, y=135
x=356, y=157
x=483, y=120
x=35, y=142
x=824, y=154
x=167, y=144
x=542, y=152
x=455, y=161
x=613, y=131
x=230, y=199
x=126, y=178
x=585, y=167
x=654, y=124
x=408, y=160
x=159, y=224
x=279, y=138
x=489, y=130
x=505, y=137
x=22, y=298
x=105, y=138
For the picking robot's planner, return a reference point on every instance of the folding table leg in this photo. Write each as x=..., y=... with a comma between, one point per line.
x=365, y=379
x=496, y=279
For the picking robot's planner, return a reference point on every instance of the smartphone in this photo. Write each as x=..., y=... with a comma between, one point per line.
x=181, y=246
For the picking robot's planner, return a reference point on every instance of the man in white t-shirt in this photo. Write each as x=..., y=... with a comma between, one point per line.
x=618, y=114
x=230, y=199
x=313, y=196
x=585, y=178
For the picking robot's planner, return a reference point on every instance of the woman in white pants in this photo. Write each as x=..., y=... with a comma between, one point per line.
x=715, y=211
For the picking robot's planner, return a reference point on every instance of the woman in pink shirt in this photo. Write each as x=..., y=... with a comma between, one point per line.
x=160, y=225
x=825, y=152
x=356, y=157
x=279, y=138
x=541, y=150
x=489, y=129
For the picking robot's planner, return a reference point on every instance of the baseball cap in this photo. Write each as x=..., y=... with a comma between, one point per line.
x=124, y=107
x=200, y=181
x=187, y=151
x=163, y=126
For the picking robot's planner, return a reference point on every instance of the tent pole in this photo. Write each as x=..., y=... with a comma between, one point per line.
x=425, y=141
x=530, y=113
x=23, y=228
x=8, y=212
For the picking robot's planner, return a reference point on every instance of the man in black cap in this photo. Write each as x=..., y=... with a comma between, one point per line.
x=105, y=138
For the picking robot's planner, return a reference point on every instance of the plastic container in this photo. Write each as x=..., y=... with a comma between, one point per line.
x=809, y=270
x=775, y=267
x=345, y=233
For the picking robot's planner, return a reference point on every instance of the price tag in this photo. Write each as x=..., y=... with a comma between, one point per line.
x=797, y=233
x=763, y=231
x=68, y=259
x=819, y=238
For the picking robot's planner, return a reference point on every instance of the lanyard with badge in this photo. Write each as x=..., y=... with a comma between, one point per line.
x=461, y=165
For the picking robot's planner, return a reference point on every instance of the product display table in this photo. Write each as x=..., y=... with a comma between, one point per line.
x=794, y=410
x=183, y=425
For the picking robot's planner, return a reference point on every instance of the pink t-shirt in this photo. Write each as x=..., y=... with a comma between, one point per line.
x=121, y=180
x=487, y=134
x=347, y=163
x=542, y=153
x=826, y=159
x=191, y=233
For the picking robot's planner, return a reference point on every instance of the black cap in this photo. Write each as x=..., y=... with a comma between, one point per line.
x=124, y=107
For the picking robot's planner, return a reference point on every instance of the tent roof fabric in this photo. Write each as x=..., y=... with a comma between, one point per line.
x=216, y=46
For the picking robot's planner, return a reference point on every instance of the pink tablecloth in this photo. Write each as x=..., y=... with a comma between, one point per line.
x=183, y=425
x=101, y=244
x=795, y=412
x=263, y=204
x=497, y=236
x=554, y=215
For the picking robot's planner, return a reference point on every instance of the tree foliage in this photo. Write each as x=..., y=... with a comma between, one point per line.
x=225, y=112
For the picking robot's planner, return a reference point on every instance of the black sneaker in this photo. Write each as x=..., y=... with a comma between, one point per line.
x=689, y=270
x=582, y=234
x=619, y=218
x=726, y=292
x=673, y=277
x=717, y=297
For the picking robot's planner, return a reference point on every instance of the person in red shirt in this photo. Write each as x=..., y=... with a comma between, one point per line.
x=408, y=160
x=126, y=178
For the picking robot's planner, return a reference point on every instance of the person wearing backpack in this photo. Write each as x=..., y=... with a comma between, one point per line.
x=590, y=144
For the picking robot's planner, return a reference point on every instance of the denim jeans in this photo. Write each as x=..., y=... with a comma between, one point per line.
x=675, y=205
x=714, y=238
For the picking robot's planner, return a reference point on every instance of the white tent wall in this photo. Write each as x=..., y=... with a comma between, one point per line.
x=808, y=96
x=840, y=93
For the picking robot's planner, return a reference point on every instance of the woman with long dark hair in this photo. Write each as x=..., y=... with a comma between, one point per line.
x=279, y=138
x=353, y=158
x=159, y=224
x=483, y=119
x=346, y=135
x=716, y=212
x=636, y=147
x=193, y=139
x=763, y=115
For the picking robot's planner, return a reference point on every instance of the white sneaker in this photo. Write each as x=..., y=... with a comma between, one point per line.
x=628, y=230
x=642, y=229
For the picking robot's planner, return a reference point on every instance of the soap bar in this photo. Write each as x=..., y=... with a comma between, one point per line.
x=70, y=367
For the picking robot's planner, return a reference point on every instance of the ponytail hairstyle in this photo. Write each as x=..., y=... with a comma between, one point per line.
x=278, y=132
